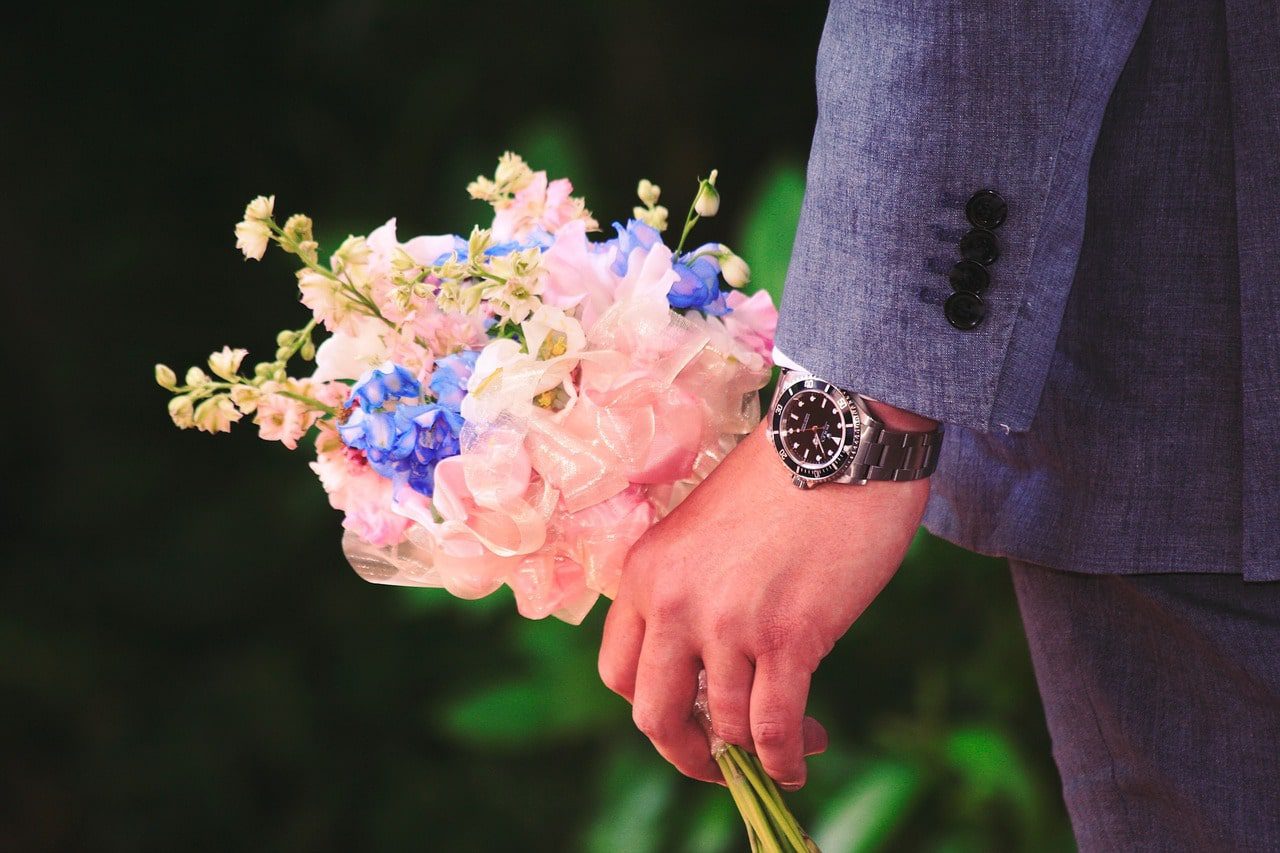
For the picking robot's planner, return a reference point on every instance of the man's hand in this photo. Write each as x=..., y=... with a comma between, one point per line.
x=753, y=580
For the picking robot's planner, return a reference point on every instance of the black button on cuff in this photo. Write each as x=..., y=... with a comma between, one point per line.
x=969, y=277
x=980, y=246
x=965, y=310
x=986, y=209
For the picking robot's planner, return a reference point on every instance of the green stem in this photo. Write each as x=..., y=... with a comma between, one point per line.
x=771, y=799
x=310, y=401
x=748, y=805
x=690, y=219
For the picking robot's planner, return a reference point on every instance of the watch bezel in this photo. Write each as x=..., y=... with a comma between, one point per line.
x=852, y=429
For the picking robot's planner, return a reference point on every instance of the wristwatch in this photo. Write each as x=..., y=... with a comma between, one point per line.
x=824, y=434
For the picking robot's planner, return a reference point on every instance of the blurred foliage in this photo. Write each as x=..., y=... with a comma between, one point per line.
x=188, y=663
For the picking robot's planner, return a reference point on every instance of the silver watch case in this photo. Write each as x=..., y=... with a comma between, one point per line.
x=869, y=450
x=854, y=417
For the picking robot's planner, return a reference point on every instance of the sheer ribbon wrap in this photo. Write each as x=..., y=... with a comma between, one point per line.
x=548, y=500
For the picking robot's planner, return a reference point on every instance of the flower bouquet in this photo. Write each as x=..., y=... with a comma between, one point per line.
x=515, y=407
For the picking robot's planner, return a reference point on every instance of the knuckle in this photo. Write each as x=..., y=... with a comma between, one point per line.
x=666, y=605
x=768, y=733
x=725, y=624
x=774, y=636
x=649, y=722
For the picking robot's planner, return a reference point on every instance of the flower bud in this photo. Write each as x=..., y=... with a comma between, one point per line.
x=649, y=192
x=707, y=202
x=165, y=377
x=297, y=228
x=654, y=217
x=308, y=351
x=263, y=369
x=196, y=376
x=735, y=271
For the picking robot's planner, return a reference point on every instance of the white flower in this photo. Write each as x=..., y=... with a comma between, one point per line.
x=252, y=238
x=196, y=377
x=226, y=363
x=735, y=271
x=513, y=172
x=552, y=333
x=553, y=338
x=253, y=233
x=180, y=410
x=517, y=297
x=707, y=202
x=352, y=351
x=326, y=300
x=246, y=398
x=504, y=380
x=216, y=414
x=260, y=209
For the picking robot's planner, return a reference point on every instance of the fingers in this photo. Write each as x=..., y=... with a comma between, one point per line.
x=666, y=685
x=815, y=737
x=620, y=649
x=729, y=677
x=778, y=697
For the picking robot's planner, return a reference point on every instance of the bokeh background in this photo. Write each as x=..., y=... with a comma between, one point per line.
x=186, y=662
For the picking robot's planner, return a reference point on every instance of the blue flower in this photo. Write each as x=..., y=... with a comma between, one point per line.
x=698, y=286
x=405, y=445
x=387, y=382
x=386, y=438
x=436, y=429
x=449, y=382
x=636, y=235
x=538, y=238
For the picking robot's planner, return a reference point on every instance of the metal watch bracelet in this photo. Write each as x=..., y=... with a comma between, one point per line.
x=885, y=454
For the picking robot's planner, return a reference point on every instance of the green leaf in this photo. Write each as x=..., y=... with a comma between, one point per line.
x=769, y=228
x=865, y=814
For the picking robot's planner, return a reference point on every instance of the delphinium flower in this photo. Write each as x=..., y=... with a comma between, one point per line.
x=402, y=436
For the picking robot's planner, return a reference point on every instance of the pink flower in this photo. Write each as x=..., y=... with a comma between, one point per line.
x=359, y=491
x=284, y=419
x=578, y=275
x=752, y=321
x=539, y=205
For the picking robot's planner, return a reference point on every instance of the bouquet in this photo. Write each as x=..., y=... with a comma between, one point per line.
x=515, y=407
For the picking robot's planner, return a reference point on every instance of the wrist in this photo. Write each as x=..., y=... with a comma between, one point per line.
x=899, y=420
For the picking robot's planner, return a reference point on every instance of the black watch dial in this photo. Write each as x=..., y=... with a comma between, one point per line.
x=814, y=427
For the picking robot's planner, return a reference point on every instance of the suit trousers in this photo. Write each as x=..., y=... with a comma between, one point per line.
x=1162, y=696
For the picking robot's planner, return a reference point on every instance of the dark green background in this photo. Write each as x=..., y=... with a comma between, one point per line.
x=188, y=663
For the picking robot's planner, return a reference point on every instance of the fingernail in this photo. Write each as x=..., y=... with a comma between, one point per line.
x=791, y=786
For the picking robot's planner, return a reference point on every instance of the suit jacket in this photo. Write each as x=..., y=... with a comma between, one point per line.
x=1111, y=169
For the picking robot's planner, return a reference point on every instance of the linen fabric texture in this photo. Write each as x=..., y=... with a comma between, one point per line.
x=1162, y=695
x=1117, y=410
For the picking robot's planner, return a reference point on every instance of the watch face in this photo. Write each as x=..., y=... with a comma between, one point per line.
x=815, y=429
